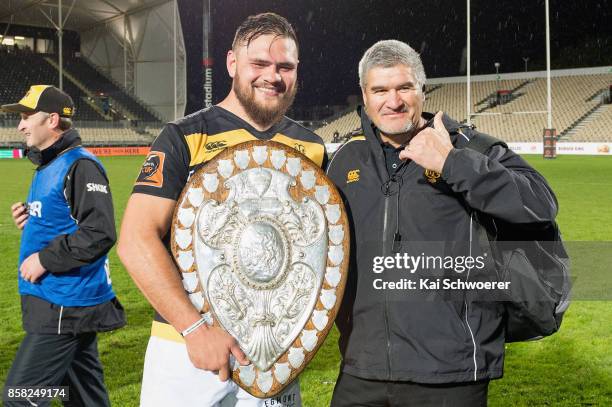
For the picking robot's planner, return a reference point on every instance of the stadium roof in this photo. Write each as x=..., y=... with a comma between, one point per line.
x=81, y=15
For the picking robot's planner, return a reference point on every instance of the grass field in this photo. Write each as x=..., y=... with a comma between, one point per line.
x=571, y=368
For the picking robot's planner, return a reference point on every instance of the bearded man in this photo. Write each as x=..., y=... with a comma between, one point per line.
x=187, y=361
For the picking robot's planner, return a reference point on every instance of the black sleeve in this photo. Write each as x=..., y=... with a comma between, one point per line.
x=88, y=193
x=166, y=168
x=500, y=184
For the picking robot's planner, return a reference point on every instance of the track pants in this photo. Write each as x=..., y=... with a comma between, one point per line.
x=60, y=360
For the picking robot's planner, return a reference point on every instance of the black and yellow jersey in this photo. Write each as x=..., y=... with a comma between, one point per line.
x=190, y=142
x=187, y=143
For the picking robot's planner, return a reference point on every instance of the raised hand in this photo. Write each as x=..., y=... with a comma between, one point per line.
x=430, y=147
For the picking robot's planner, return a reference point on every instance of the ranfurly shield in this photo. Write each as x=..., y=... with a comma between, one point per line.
x=262, y=239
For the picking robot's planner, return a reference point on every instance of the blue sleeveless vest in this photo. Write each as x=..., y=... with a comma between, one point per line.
x=50, y=217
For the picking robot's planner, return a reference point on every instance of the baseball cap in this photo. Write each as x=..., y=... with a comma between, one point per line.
x=43, y=98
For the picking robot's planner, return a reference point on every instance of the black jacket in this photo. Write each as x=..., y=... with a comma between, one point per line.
x=437, y=336
x=94, y=237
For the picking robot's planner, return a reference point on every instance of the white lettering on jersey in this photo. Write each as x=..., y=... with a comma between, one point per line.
x=35, y=209
x=91, y=187
x=107, y=269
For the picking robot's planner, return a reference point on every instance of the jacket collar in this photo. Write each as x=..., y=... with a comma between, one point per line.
x=377, y=154
x=69, y=139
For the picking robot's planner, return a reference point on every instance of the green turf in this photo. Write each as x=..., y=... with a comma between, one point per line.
x=571, y=368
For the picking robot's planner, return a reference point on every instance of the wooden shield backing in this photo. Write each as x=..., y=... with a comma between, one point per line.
x=206, y=189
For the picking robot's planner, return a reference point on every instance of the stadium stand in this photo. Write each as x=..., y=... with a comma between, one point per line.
x=98, y=83
x=114, y=137
x=9, y=137
x=342, y=125
x=153, y=130
x=450, y=98
x=598, y=128
x=91, y=136
x=23, y=69
x=574, y=97
x=578, y=110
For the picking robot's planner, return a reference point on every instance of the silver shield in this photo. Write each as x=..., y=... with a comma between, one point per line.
x=261, y=257
x=261, y=238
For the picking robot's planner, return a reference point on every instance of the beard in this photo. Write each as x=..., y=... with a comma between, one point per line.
x=406, y=129
x=265, y=116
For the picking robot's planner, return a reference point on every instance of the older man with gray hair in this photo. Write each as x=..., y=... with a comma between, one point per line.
x=412, y=183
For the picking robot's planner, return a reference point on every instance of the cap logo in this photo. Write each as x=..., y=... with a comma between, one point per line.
x=67, y=111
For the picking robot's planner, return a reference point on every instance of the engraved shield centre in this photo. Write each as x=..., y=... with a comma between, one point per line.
x=261, y=252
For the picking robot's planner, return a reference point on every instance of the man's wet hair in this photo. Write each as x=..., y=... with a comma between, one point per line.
x=263, y=24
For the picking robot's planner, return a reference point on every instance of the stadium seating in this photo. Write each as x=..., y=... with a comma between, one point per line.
x=91, y=136
x=153, y=130
x=10, y=137
x=98, y=83
x=575, y=99
x=343, y=125
x=598, y=129
x=23, y=69
x=113, y=136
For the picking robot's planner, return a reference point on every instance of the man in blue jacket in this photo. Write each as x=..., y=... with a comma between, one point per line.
x=67, y=228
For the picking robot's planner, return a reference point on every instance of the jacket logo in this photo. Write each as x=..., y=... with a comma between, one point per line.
x=300, y=147
x=215, y=145
x=152, y=171
x=352, y=176
x=91, y=187
x=432, y=176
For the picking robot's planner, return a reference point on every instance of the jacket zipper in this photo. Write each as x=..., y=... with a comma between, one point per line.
x=391, y=245
x=467, y=309
x=385, y=252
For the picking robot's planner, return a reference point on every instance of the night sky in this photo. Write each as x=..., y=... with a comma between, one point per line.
x=334, y=34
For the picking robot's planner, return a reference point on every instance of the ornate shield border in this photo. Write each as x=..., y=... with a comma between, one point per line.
x=310, y=182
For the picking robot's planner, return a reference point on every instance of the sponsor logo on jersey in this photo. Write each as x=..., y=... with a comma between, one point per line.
x=352, y=176
x=35, y=209
x=300, y=147
x=152, y=171
x=216, y=145
x=91, y=187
